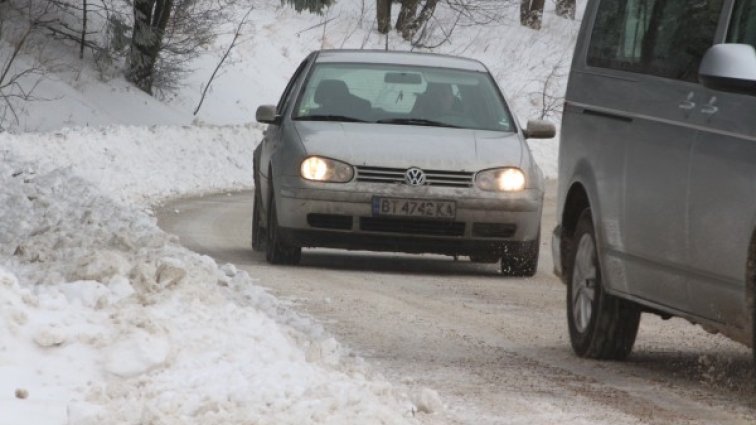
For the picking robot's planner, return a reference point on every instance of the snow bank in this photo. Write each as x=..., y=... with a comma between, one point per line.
x=142, y=164
x=105, y=319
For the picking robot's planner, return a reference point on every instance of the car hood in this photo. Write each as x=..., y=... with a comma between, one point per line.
x=405, y=146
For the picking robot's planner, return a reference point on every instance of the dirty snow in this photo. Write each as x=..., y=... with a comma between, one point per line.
x=106, y=319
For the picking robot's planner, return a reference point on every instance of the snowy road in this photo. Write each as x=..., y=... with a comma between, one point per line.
x=495, y=349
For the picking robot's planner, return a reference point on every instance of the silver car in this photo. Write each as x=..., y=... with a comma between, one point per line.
x=390, y=151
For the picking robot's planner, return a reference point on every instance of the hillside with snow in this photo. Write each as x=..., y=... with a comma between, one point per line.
x=106, y=319
x=530, y=67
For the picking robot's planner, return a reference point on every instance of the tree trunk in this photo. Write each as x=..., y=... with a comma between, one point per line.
x=566, y=8
x=150, y=20
x=383, y=16
x=83, y=29
x=425, y=14
x=531, y=13
x=406, y=14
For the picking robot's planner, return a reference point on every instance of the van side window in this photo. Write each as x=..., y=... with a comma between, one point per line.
x=666, y=38
x=743, y=25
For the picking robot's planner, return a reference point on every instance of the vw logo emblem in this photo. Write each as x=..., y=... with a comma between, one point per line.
x=415, y=177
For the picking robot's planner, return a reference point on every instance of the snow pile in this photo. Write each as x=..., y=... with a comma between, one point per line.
x=141, y=164
x=105, y=319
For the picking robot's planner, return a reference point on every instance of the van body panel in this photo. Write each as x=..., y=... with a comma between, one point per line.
x=670, y=171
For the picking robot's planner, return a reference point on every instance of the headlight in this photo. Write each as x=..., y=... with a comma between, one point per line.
x=326, y=170
x=501, y=180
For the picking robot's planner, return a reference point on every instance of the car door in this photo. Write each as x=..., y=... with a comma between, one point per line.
x=658, y=45
x=723, y=191
x=273, y=134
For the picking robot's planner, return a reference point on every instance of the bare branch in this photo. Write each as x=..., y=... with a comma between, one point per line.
x=223, y=59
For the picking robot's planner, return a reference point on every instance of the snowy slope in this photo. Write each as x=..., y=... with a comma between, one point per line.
x=526, y=64
x=105, y=319
x=145, y=164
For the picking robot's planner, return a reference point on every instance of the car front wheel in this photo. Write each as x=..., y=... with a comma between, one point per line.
x=601, y=326
x=258, y=237
x=277, y=251
x=523, y=261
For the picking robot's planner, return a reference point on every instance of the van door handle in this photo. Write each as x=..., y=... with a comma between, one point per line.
x=711, y=108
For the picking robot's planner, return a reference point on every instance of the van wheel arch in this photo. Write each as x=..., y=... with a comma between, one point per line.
x=575, y=203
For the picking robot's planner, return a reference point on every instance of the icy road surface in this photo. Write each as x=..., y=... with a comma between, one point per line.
x=496, y=349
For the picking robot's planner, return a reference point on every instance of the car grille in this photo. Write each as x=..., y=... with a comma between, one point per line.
x=411, y=226
x=432, y=177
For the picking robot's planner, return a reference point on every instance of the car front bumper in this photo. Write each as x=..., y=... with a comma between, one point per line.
x=486, y=223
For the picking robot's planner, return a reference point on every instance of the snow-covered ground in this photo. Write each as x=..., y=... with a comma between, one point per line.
x=105, y=319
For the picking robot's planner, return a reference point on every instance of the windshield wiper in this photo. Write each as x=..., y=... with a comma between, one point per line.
x=416, y=121
x=328, y=118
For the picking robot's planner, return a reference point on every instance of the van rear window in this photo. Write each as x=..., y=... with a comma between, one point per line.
x=666, y=38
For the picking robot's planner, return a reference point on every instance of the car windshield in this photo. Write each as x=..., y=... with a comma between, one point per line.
x=404, y=95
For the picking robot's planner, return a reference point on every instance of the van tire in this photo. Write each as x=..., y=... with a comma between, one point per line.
x=601, y=326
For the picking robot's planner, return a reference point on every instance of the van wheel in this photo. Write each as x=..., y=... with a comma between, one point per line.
x=258, y=237
x=276, y=250
x=601, y=326
x=522, y=261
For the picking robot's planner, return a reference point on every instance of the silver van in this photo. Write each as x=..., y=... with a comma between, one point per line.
x=657, y=171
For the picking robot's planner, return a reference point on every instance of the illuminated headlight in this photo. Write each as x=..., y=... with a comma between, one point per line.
x=501, y=180
x=326, y=170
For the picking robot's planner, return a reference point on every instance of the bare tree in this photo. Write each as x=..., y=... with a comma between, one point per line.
x=223, y=58
x=406, y=14
x=168, y=36
x=429, y=8
x=383, y=15
x=531, y=13
x=551, y=95
x=19, y=80
x=150, y=22
x=566, y=8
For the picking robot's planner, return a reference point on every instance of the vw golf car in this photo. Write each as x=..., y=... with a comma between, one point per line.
x=404, y=152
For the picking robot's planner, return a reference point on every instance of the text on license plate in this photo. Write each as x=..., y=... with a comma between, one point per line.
x=414, y=208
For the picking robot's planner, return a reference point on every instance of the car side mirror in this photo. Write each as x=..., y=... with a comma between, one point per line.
x=729, y=67
x=266, y=114
x=540, y=129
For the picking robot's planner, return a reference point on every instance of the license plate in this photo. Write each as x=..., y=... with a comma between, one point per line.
x=395, y=207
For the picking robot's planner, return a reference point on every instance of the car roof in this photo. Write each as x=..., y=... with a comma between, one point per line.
x=399, y=58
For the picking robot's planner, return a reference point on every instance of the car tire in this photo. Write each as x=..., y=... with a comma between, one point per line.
x=523, y=261
x=258, y=232
x=276, y=250
x=601, y=326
